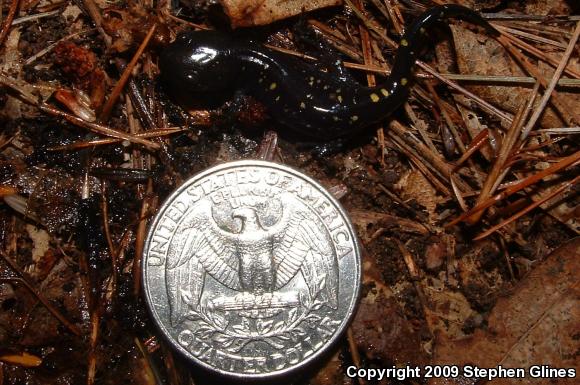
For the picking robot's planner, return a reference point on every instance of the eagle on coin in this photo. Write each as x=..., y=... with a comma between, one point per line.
x=256, y=260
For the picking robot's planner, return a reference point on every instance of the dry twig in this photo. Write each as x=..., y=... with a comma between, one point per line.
x=8, y=21
x=22, y=277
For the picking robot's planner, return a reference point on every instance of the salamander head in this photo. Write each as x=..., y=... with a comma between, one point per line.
x=197, y=66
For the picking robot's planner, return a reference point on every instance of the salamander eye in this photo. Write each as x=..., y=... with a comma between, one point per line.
x=181, y=38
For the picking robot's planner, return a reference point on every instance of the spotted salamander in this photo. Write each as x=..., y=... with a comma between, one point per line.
x=208, y=65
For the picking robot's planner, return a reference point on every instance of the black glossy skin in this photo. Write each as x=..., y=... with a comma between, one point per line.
x=211, y=66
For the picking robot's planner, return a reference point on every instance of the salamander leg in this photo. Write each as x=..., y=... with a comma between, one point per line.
x=333, y=147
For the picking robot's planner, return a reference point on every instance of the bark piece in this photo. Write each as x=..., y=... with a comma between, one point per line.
x=247, y=13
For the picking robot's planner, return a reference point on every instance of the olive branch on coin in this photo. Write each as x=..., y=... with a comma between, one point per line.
x=233, y=339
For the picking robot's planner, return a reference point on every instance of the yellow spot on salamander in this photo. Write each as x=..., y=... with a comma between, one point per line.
x=404, y=42
x=335, y=118
x=273, y=86
x=277, y=97
x=302, y=105
x=339, y=98
x=260, y=80
x=404, y=81
x=354, y=118
x=374, y=97
x=384, y=92
x=422, y=30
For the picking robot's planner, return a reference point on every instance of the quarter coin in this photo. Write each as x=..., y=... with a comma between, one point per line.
x=251, y=269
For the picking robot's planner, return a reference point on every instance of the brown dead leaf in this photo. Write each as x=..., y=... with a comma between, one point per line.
x=380, y=328
x=480, y=274
x=414, y=186
x=246, y=13
x=539, y=323
x=128, y=27
x=449, y=310
x=548, y=7
x=479, y=55
x=435, y=254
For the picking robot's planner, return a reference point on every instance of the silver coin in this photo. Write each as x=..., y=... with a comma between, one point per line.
x=251, y=269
